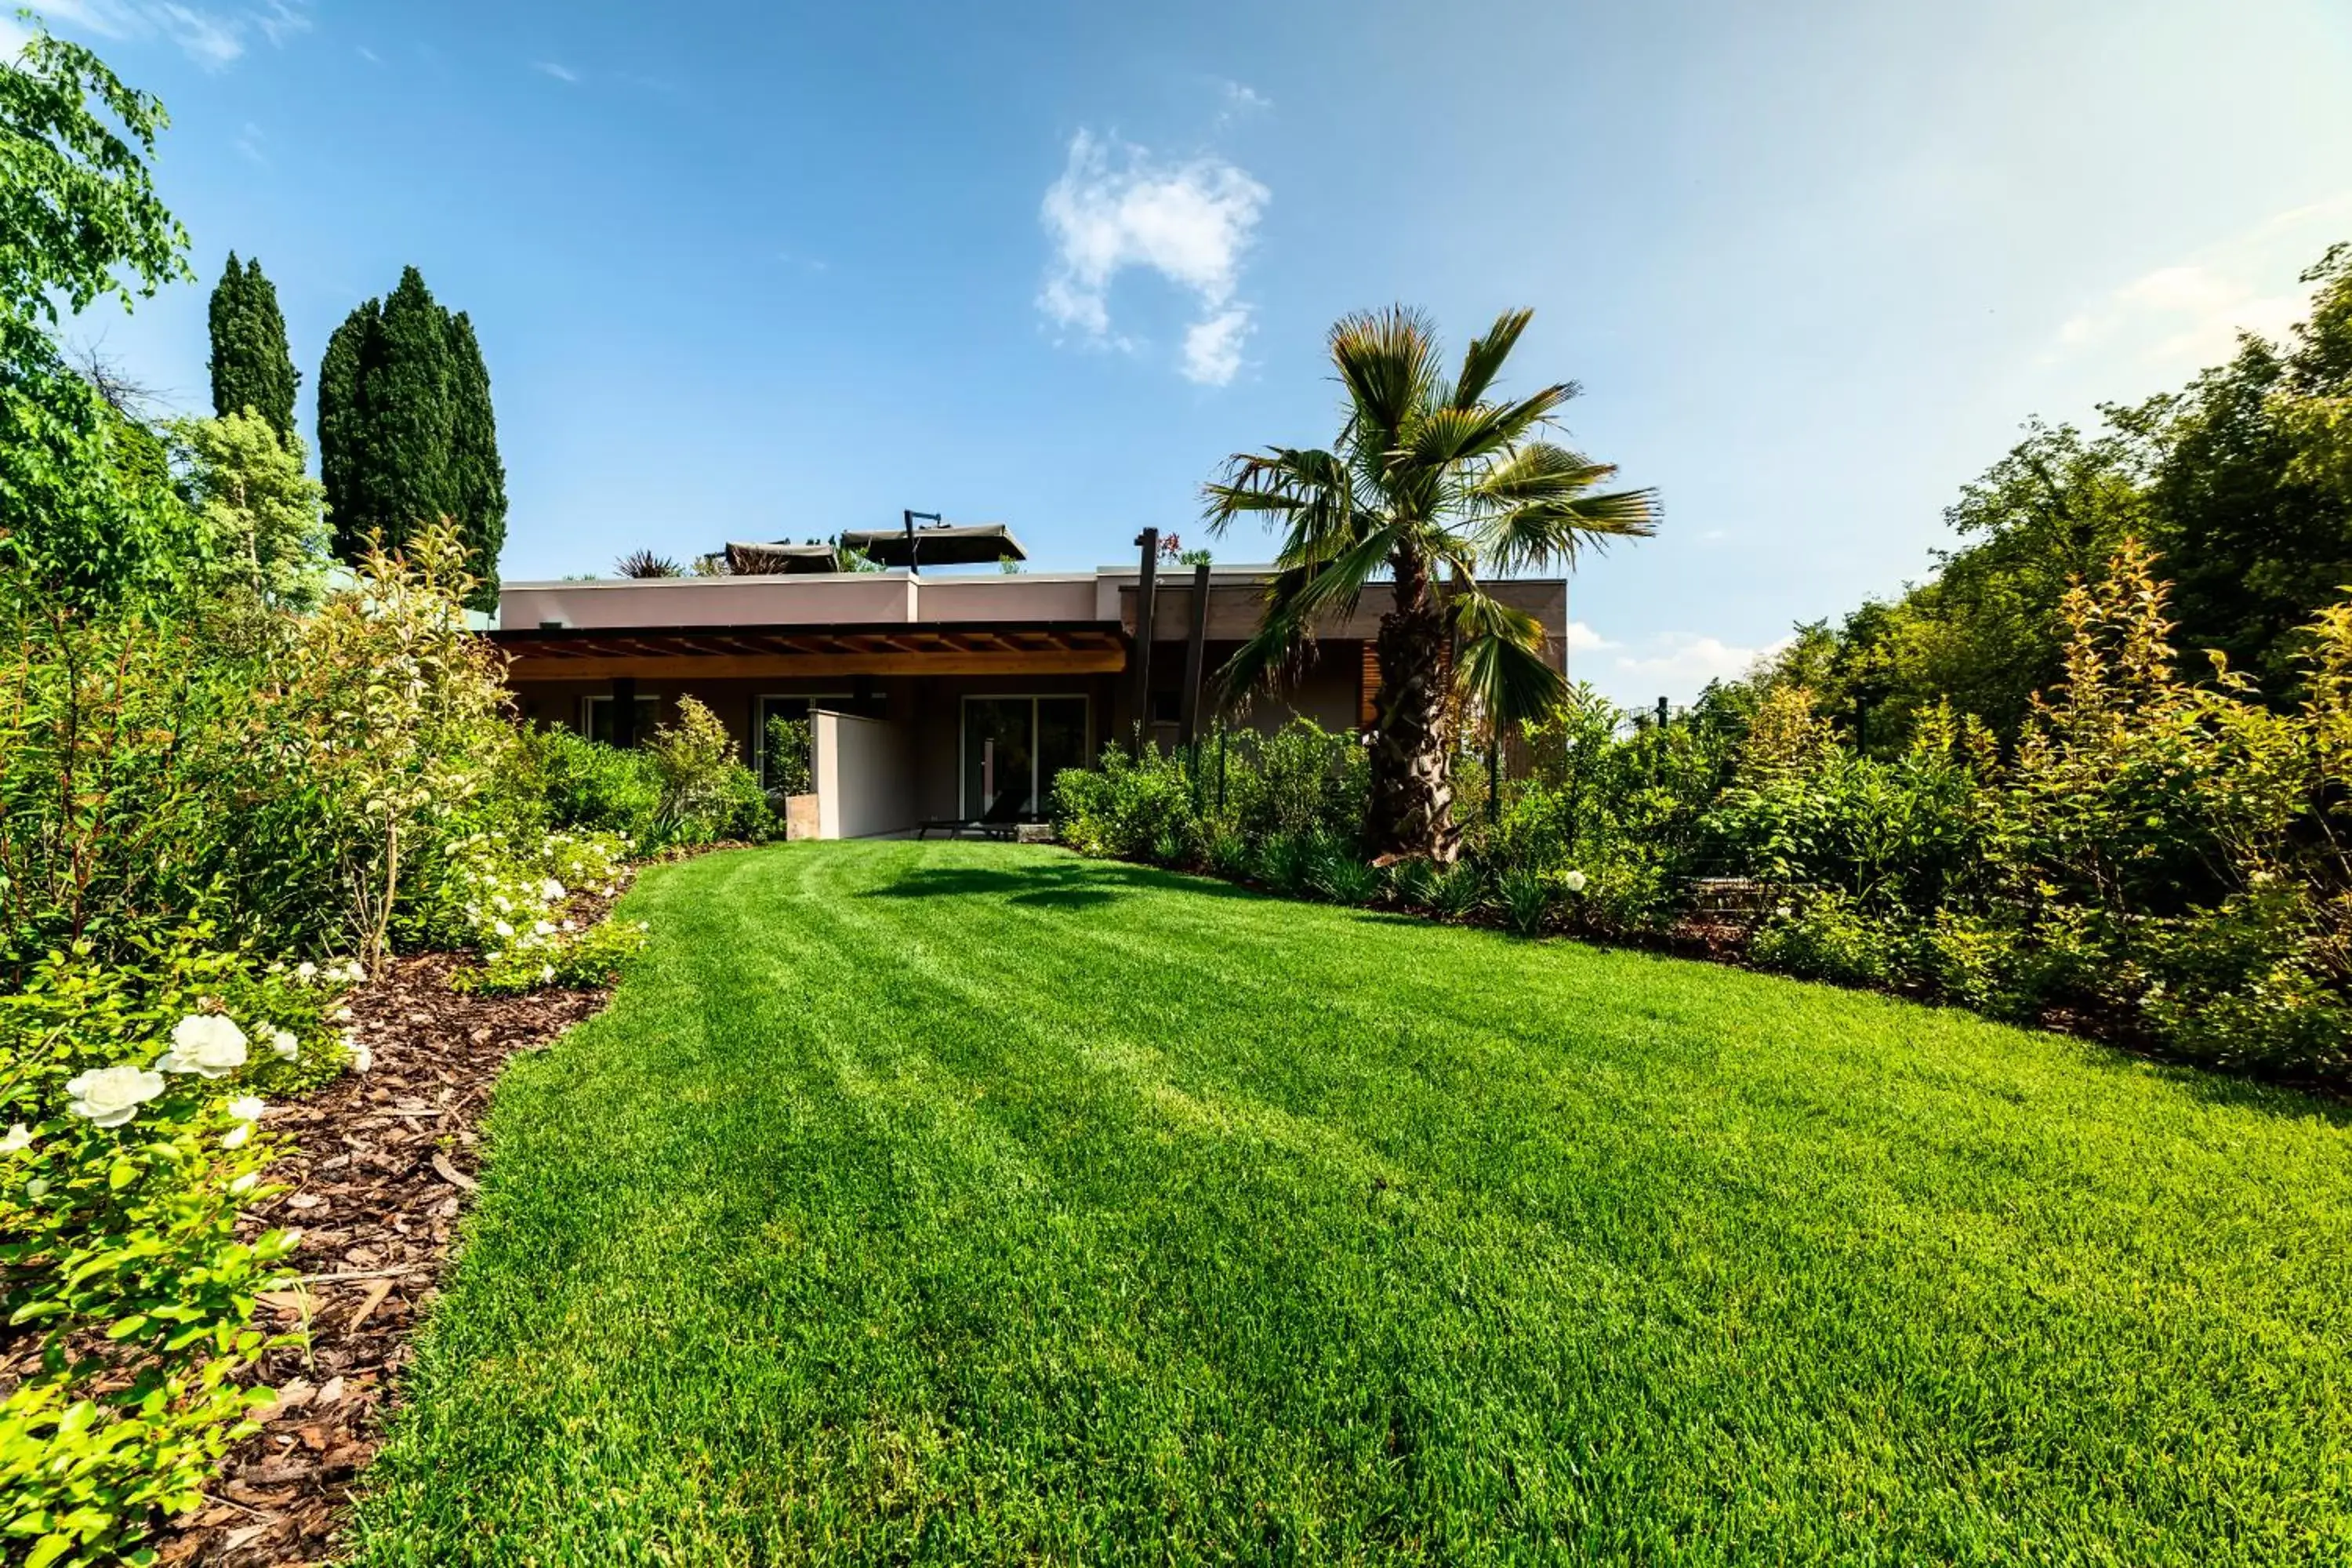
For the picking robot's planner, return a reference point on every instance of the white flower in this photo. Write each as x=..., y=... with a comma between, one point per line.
x=363, y=1059
x=547, y=974
x=236, y=1136
x=306, y=971
x=205, y=1044
x=286, y=1047
x=1573, y=882
x=502, y=927
x=246, y=1183
x=551, y=891
x=247, y=1108
x=19, y=1138
x=112, y=1095
x=571, y=925
x=544, y=928
x=340, y=1015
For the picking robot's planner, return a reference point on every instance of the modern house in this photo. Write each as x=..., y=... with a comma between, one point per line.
x=938, y=697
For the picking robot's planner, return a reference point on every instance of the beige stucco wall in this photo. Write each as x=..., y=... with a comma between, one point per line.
x=863, y=784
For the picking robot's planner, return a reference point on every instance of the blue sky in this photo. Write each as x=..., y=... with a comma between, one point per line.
x=758, y=270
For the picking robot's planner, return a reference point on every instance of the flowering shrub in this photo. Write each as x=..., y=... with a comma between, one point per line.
x=706, y=794
x=506, y=902
x=134, y=1103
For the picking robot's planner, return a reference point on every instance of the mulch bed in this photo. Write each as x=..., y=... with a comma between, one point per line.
x=382, y=1167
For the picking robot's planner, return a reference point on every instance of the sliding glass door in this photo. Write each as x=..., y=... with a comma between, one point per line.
x=1012, y=747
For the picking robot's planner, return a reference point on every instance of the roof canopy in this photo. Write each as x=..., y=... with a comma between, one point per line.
x=948, y=544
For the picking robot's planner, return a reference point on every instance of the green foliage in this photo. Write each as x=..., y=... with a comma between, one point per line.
x=406, y=435
x=582, y=784
x=707, y=796
x=252, y=369
x=129, y=1095
x=787, y=757
x=1431, y=478
x=260, y=507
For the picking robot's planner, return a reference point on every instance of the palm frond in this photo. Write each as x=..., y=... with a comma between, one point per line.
x=1454, y=434
x=1483, y=360
x=1540, y=471
x=1285, y=481
x=1388, y=362
x=1544, y=532
x=1500, y=666
x=1341, y=579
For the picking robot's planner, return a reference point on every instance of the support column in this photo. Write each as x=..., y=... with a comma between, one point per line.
x=1146, y=594
x=1196, y=648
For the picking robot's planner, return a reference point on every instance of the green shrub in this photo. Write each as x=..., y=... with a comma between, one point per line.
x=1825, y=937
x=130, y=1095
x=1525, y=896
x=707, y=796
x=1458, y=892
x=1333, y=872
x=1137, y=810
x=788, y=757
x=583, y=784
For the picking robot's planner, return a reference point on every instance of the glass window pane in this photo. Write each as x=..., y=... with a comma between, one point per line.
x=1061, y=742
x=998, y=760
x=600, y=718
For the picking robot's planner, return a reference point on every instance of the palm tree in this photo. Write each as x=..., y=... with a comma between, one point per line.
x=1428, y=477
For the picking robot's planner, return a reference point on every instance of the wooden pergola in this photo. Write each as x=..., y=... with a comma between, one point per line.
x=889, y=647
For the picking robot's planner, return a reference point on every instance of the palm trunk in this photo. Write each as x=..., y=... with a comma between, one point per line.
x=1411, y=811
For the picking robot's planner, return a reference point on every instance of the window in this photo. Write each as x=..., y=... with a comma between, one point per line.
x=596, y=717
x=1014, y=747
x=774, y=771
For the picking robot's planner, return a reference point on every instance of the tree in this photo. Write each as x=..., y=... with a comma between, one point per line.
x=259, y=506
x=251, y=366
x=478, y=478
x=406, y=433
x=84, y=513
x=645, y=564
x=1428, y=477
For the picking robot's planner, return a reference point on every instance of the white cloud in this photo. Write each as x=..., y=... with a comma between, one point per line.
x=1241, y=101
x=1582, y=638
x=2188, y=314
x=369, y=56
x=1690, y=661
x=1213, y=347
x=555, y=68
x=1115, y=208
x=211, y=38
x=249, y=142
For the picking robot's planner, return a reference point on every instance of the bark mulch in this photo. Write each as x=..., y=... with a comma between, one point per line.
x=382, y=1164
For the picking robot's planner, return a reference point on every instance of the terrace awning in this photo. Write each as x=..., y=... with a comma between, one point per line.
x=887, y=647
x=950, y=544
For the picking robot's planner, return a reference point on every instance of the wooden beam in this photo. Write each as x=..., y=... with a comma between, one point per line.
x=1146, y=597
x=1196, y=648
x=689, y=669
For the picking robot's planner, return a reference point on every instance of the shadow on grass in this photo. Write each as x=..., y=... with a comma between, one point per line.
x=1051, y=885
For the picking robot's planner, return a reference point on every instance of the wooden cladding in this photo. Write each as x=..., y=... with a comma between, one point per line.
x=593, y=653
x=528, y=666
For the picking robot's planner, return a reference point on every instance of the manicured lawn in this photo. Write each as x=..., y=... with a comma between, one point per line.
x=967, y=1203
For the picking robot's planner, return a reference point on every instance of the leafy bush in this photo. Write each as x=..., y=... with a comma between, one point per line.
x=788, y=757
x=579, y=783
x=1132, y=809
x=707, y=796
x=1826, y=936
x=1526, y=895
x=129, y=1096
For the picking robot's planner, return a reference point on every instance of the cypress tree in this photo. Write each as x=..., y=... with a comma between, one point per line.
x=342, y=428
x=478, y=478
x=406, y=433
x=251, y=367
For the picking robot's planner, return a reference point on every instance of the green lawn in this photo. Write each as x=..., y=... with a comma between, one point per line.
x=966, y=1204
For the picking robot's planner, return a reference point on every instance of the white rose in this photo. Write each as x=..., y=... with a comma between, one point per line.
x=246, y=1183
x=551, y=891
x=19, y=1138
x=112, y=1095
x=247, y=1108
x=236, y=1136
x=363, y=1059
x=283, y=1042
x=544, y=928
x=547, y=974
x=205, y=1044
x=502, y=927
x=306, y=971
x=1573, y=882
